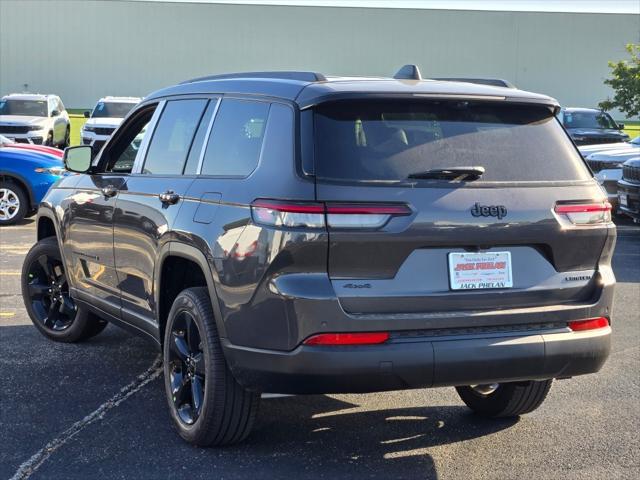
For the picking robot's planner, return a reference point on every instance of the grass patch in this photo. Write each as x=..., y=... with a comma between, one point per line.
x=632, y=128
x=77, y=121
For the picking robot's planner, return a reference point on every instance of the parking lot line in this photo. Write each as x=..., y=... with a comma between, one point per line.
x=7, y=314
x=31, y=465
x=9, y=272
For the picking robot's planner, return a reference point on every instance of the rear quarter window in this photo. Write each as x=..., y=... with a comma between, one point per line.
x=389, y=140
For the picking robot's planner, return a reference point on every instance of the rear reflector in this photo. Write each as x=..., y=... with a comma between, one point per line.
x=365, y=338
x=589, y=324
x=585, y=213
x=318, y=215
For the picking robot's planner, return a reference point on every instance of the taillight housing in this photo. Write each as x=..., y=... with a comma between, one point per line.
x=589, y=324
x=584, y=213
x=277, y=213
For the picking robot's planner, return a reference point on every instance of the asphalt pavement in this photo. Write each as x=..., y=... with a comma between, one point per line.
x=97, y=410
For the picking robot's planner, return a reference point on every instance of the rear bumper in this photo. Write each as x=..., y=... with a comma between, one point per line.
x=405, y=363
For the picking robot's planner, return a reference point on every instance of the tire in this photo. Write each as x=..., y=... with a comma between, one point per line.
x=67, y=136
x=58, y=318
x=14, y=203
x=507, y=400
x=49, y=140
x=208, y=406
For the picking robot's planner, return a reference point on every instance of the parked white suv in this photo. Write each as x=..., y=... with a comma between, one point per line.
x=104, y=119
x=34, y=118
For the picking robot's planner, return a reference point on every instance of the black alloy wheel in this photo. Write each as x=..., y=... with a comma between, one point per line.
x=47, y=299
x=186, y=368
x=49, y=293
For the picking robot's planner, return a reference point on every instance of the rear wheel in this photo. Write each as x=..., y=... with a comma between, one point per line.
x=13, y=203
x=505, y=399
x=45, y=291
x=207, y=404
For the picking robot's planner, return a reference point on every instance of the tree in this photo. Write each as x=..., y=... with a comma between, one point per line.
x=625, y=81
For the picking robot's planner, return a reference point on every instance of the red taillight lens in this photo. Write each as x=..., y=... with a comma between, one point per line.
x=585, y=213
x=318, y=215
x=589, y=324
x=364, y=338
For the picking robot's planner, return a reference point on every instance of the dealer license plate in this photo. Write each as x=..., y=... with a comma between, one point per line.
x=474, y=271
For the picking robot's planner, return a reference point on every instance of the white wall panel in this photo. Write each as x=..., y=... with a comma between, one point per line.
x=82, y=50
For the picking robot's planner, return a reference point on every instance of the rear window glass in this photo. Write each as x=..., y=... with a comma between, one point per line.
x=390, y=140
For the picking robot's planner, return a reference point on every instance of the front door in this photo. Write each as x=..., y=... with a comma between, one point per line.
x=89, y=242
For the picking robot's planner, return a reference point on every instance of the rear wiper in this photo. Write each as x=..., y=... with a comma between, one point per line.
x=452, y=173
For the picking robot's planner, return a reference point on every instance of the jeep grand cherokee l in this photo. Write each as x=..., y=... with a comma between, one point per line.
x=287, y=232
x=35, y=119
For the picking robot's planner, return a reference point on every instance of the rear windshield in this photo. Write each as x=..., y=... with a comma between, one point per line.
x=390, y=140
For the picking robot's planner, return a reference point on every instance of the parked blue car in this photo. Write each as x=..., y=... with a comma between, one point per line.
x=25, y=177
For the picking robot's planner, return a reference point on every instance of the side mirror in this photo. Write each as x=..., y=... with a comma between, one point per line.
x=78, y=159
x=55, y=113
x=620, y=126
x=87, y=114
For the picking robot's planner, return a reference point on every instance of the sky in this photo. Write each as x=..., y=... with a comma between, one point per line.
x=582, y=6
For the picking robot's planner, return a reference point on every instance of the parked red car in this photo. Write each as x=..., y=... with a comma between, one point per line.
x=6, y=142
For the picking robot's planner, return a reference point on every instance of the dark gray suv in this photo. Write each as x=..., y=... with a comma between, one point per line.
x=290, y=233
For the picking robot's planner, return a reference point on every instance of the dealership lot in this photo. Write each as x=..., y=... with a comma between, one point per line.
x=64, y=413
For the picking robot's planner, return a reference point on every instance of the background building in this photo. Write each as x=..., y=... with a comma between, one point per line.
x=83, y=50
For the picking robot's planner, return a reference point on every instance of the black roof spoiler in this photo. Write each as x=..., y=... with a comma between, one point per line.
x=408, y=72
x=285, y=75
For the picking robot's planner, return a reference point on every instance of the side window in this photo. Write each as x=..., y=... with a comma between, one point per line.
x=52, y=106
x=121, y=152
x=60, y=106
x=236, y=139
x=173, y=136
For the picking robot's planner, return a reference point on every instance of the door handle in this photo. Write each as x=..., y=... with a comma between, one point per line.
x=169, y=197
x=109, y=191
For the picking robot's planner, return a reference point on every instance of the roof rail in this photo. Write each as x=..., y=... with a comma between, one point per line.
x=494, y=82
x=408, y=72
x=285, y=75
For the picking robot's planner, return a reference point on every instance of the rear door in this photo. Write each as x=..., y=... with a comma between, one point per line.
x=408, y=245
x=146, y=210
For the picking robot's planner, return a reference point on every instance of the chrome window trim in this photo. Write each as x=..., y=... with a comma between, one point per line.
x=205, y=142
x=142, y=152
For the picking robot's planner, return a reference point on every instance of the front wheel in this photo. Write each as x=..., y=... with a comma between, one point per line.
x=67, y=137
x=505, y=399
x=45, y=291
x=208, y=406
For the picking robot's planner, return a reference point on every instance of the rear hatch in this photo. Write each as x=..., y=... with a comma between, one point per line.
x=449, y=205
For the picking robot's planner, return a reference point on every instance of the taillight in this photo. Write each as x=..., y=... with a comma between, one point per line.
x=318, y=215
x=287, y=214
x=360, y=338
x=589, y=324
x=595, y=213
x=363, y=216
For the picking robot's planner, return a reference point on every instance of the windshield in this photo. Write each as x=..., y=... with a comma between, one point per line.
x=635, y=141
x=27, y=108
x=115, y=110
x=588, y=120
x=389, y=140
